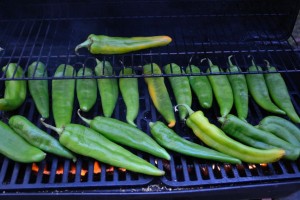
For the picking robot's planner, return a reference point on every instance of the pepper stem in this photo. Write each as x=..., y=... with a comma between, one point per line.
x=268, y=63
x=151, y=124
x=252, y=60
x=209, y=61
x=87, y=44
x=88, y=121
x=229, y=61
x=221, y=120
x=57, y=130
x=190, y=111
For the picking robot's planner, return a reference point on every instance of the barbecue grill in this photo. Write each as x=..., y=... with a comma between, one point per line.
x=48, y=31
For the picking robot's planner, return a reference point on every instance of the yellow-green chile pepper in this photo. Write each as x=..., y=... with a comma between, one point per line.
x=215, y=138
x=279, y=93
x=180, y=86
x=167, y=138
x=130, y=92
x=108, y=87
x=159, y=93
x=126, y=134
x=38, y=88
x=86, y=89
x=63, y=95
x=37, y=137
x=221, y=88
x=87, y=142
x=16, y=148
x=102, y=44
x=15, y=90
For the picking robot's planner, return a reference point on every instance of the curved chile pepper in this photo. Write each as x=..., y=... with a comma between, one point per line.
x=63, y=95
x=86, y=89
x=214, y=137
x=38, y=138
x=39, y=88
x=87, y=142
x=259, y=91
x=240, y=90
x=231, y=124
x=108, y=87
x=201, y=87
x=167, y=138
x=15, y=91
x=221, y=88
x=16, y=148
x=130, y=92
x=125, y=134
x=279, y=93
x=181, y=88
x=159, y=93
x=102, y=44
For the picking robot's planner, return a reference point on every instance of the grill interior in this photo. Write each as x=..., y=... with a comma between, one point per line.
x=49, y=32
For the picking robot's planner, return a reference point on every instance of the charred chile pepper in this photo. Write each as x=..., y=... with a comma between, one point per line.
x=181, y=88
x=38, y=89
x=16, y=148
x=167, y=138
x=201, y=87
x=125, y=134
x=233, y=125
x=108, y=87
x=63, y=95
x=130, y=92
x=38, y=138
x=87, y=142
x=214, y=137
x=279, y=93
x=15, y=91
x=259, y=91
x=221, y=88
x=240, y=90
x=86, y=89
x=159, y=93
x=102, y=44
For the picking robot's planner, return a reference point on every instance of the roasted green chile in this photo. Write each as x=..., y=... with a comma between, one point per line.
x=102, y=44
x=87, y=142
x=167, y=138
x=86, y=89
x=181, y=88
x=279, y=93
x=15, y=91
x=38, y=88
x=125, y=134
x=108, y=87
x=16, y=148
x=63, y=91
x=38, y=138
x=130, y=92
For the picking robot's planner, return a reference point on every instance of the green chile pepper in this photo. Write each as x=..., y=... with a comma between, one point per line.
x=108, y=87
x=87, y=142
x=201, y=87
x=159, y=93
x=181, y=88
x=15, y=91
x=38, y=138
x=167, y=138
x=130, y=92
x=63, y=95
x=16, y=148
x=86, y=89
x=259, y=91
x=102, y=44
x=240, y=90
x=221, y=89
x=39, y=88
x=125, y=134
x=232, y=125
x=279, y=93
x=214, y=137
